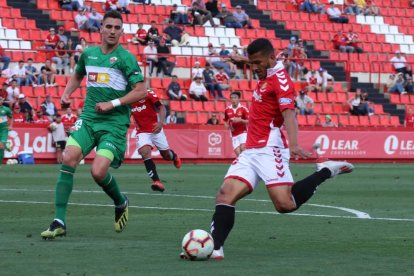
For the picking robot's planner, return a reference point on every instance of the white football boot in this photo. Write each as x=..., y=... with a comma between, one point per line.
x=217, y=254
x=336, y=167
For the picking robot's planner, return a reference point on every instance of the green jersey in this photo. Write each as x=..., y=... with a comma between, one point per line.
x=108, y=77
x=4, y=113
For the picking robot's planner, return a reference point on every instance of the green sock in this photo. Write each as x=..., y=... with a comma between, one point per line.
x=1, y=156
x=64, y=187
x=111, y=188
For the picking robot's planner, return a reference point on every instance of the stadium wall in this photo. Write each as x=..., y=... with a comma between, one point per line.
x=213, y=143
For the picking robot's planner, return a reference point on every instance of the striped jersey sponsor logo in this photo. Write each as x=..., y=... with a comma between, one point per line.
x=104, y=77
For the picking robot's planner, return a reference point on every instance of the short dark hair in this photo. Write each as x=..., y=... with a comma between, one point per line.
x=113, y=14
x=29, y=59
x=237, y=93
x=20, y=61
x=262, y=45
x=174, y=76
x=58, y=116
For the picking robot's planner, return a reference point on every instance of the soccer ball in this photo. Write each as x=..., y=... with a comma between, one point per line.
x=11, y=162
x=52, y=127
x=197, y=245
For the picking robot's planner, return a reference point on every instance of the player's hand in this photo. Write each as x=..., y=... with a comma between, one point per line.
x=157, y=127
x=297, y=152
x=104, y=107
x=64, y=100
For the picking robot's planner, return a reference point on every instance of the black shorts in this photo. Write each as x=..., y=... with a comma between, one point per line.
x=60, y=145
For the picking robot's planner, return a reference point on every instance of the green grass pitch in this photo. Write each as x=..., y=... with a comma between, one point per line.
x=321, y=238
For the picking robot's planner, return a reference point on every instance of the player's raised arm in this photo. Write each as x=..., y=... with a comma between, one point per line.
x=292, y=130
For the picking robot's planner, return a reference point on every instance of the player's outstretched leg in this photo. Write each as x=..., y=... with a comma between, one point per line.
x=305, y=188
x=223, y=219
x=64, y=185
x=145, y=152
x=109, y=185
x=170, y=155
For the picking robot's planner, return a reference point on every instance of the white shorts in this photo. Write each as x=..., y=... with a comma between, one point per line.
x=151, y=139
x=239, y=139
x=269, y=164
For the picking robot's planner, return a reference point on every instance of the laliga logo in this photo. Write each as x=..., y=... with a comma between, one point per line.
x=323, y=141
x=214, y=139
x=391, y=144
x=14, y=144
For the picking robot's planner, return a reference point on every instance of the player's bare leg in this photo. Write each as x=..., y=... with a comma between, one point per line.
x=170, y=155
x=109, y=185
x=145, y=152
x=223, y=219
x=70, y=159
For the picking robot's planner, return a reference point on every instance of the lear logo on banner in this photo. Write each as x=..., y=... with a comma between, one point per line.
x=337, y=146
x=392, y=144
x=214, y=139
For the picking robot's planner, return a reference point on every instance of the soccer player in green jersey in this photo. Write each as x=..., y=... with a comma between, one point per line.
x=4, y=127
x=114, y=81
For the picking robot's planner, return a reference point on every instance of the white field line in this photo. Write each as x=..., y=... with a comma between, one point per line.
x=357, y=213
x=201, y=210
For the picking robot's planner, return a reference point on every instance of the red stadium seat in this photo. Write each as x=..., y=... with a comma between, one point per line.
x=301, y=120
x=175, y=105
x=364, y=120
x=385, y=120
x=197, y=106
x=344, y=120
x=353, y=121
x=374, y=121
x=191, y=118
x=209, y=106
x=202, y=117
x=186, y=106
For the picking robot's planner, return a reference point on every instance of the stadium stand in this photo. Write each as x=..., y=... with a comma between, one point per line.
x=24, y=26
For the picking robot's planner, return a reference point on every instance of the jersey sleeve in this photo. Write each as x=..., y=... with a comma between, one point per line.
x=81, y=67
x=226, y=116
x=132, y=70
x=284, y=90
x=153, y=97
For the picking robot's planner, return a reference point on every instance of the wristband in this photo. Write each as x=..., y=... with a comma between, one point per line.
x=116, y=102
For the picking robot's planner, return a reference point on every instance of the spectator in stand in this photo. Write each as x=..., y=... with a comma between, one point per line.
x=26, y=107
x=297, y=67
x=201, y=14
x=291, y=45
x=141, y=37
x=150, y=52
x=223, y=80
x=409, y=85
x=318, y=7
x=326, y=77
x=49, y=108
x=328, y=122
x=83, y=22
x=142, y=2
x=227, y=18
x=47, y=76
x=12, y=93
x=175, y=35
x=352, y=7
x=303, y=5
x=3, y=58
x=8, y=74
x=20, y=74
x=62, y=36
x=314, y=82
x=171, y=119
x=4, y=95
x=284, y=57
x=69, y=117
x=340, y=41
x=40, y=118
x=198, y=91
x=409, y=118
x=51, y=40
x=304, y=103
x=396, y=84
x=163, y=63
x=211, y=82
x=242, y=17
x=18, y=116
x=95, y=18
x=215, y=60
x=213, y=120
x=353, y=40
x=212, y=7
x=197, y=71
x=372, y=9
x=335, y=14
x=177, y=16
x=153, y=33
x=70, y=48
x=400, y=64
x=61, y=58
x=366, y=104
x=174, y=90
x=356, y=104
x=225, y=56
x=69, y=5
x=117, y=5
